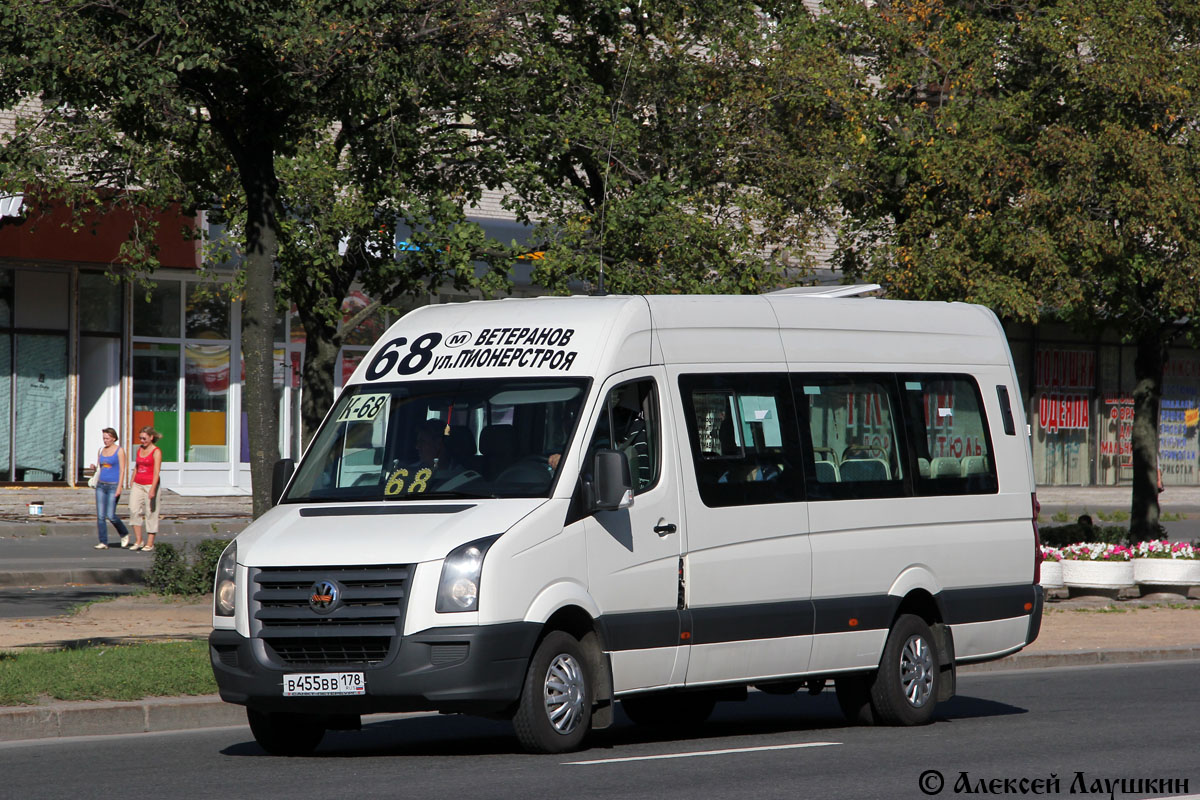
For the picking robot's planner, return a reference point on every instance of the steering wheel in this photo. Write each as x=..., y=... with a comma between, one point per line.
x=527, y=469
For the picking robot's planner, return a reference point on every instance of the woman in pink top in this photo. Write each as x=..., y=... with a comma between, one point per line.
x=143, y=498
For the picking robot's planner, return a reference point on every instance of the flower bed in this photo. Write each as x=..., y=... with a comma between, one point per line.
x=1052, y=573
x=1097, y=565
x=1160, y=563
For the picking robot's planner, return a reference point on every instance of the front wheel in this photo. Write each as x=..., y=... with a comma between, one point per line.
x=904, y=691
x=282, y=734
x=554, y=713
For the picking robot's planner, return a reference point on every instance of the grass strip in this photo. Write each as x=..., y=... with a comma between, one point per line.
x=111, y=672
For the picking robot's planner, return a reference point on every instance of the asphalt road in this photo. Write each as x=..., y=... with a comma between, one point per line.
x=1080, y=724
x=28, y=602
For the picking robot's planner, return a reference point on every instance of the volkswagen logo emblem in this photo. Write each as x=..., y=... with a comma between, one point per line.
x=324, y=597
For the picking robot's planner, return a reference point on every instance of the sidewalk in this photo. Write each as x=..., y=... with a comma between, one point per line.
x=66, y=510
x=55, y=547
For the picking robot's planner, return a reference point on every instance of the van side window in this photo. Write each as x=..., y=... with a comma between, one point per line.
x=856, y=450
x=744, y=437
x=630, y=423
x=949, y=435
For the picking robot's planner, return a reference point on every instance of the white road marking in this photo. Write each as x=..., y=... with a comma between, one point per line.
x=703, y=753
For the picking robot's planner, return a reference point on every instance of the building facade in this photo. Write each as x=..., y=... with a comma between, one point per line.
x=1079, y=398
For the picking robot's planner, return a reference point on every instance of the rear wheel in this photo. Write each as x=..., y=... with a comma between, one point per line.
x=554, y=713
x=904, y=691
x=284, y=734
x=670, y=710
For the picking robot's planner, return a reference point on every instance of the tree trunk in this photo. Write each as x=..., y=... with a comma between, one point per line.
x=1147, y=397
x=321, y=344
x=258, y=326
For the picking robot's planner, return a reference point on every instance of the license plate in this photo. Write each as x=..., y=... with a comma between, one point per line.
x=324, y=684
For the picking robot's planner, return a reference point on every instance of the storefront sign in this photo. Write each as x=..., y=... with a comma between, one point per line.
x=1177, y=422
x=1059, y=412
x=1119, y=410
x=1065, y=369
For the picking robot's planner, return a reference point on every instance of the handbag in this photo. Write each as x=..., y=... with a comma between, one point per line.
x=94, y=481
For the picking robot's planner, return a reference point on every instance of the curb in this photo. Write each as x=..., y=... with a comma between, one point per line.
x=1083, y=658
x=211, y=526
x=87, y=577
x=102, y=718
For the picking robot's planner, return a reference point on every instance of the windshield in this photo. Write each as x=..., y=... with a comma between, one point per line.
x=438, y=439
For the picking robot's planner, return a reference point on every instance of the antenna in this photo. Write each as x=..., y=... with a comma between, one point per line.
x=612, y=135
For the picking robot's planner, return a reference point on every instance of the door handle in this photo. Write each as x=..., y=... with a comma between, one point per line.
x=665, y=529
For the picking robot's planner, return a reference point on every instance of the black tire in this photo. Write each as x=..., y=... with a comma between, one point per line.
x=669, y=710
x=854, y=698
x=905, y=688
x=282, y=734
x=554, y=713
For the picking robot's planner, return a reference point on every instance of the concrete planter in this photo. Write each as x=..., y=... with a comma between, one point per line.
x=1052, y=575
x=1166, y=571
x=1110, y=575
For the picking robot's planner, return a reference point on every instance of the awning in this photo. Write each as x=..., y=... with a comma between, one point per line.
x=11, y=205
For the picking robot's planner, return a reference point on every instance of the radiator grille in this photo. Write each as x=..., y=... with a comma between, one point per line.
x=361, y=629
x=332, y=650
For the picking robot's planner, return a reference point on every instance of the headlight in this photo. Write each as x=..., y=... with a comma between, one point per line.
x=458, y=589
x=225, y=586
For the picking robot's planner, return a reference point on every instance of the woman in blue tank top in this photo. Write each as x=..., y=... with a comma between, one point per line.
x=113, y=473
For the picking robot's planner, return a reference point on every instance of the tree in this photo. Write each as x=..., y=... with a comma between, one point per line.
x=686, y=147
x=204, y=101
x=1037, y=158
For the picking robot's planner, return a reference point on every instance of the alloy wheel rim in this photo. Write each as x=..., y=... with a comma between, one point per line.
x=916, y=671
x=564, y=692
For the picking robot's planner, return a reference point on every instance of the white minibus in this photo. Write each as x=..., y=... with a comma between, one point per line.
x=536, y=509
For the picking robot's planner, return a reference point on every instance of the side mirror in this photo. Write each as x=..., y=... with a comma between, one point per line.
x=612, y=486
x=280, y=475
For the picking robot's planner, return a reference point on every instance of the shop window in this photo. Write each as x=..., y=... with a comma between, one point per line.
x=40, y=300
x=206, y=392
x=6, y=298
x=207, y=311
x=156, y=314
x=40, y=406
x=5, y=403
x=156, y=393
x=100, y=303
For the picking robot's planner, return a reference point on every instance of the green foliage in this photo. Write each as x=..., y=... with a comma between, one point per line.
x=107, y=672
x=1113, y=516
x=684, y=148
x=1037, y=158
x=1063, y=535
x=176, y=572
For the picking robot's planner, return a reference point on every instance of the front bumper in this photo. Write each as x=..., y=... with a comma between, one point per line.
x=471, y=669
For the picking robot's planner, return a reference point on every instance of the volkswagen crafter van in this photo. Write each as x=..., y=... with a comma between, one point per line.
x=535, y=509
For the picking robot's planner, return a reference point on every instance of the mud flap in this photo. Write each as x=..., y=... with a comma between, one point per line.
x=601, y=668
x=947, y=675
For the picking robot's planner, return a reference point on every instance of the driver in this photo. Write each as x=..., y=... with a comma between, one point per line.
x=432, y=452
